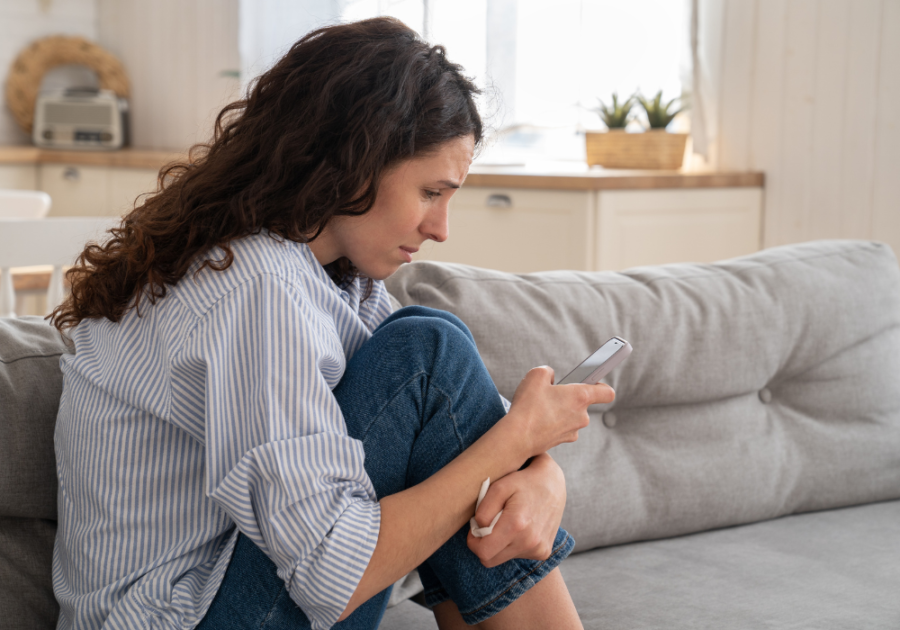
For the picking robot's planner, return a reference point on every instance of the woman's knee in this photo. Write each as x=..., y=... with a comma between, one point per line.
x=419, y=316
x=424, y=332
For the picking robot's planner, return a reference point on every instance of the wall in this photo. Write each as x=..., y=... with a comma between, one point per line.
x=22, y=22
x=807, y=91
x=268, y=28
x=182, y=57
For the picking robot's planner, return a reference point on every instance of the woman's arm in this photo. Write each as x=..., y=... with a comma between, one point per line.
x=415, y=522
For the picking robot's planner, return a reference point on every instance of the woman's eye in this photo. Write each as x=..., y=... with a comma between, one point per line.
x=431, y=194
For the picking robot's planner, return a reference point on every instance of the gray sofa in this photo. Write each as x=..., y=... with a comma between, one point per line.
x=747, y=475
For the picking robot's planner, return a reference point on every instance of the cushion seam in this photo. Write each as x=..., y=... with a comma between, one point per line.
x=31, y=356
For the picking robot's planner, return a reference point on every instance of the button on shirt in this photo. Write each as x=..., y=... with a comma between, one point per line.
x=209, y=413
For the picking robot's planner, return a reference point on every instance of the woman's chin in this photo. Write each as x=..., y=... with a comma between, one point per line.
x=379, y=272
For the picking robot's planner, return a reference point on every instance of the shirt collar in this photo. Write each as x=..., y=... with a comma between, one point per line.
x=351, y=294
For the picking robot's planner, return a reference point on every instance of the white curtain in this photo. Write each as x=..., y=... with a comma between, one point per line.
x=706, y=47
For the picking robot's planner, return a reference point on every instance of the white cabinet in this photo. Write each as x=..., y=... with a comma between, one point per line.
x=509, y=229
x=75, y=190
x=650, y=227
x=126, y=185
x=18, y=177
x=93, y=190
x=519, y=230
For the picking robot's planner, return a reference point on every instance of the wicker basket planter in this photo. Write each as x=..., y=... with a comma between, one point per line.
x=654, y=149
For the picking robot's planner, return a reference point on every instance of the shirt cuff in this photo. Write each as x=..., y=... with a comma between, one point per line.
x=324, y=581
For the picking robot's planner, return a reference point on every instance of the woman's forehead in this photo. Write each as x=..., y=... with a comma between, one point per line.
x=450, y=161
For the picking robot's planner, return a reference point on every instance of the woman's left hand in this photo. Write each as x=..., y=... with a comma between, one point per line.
x=532, y=500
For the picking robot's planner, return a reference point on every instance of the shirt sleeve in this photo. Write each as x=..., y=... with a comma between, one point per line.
x=279, y=461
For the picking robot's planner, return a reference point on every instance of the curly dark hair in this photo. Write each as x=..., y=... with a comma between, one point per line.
x=311, y=141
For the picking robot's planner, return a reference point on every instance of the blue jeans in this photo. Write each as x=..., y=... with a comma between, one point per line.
x=416, y=394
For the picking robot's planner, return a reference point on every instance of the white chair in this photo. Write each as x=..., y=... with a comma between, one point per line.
x=53, y=241
x=24, y=204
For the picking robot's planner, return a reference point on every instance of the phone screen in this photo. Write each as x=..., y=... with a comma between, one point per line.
x=590, y=365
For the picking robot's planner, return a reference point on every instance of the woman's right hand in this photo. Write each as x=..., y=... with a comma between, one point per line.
x=545, y=415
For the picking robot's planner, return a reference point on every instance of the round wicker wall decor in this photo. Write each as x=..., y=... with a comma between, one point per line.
x=29, y=67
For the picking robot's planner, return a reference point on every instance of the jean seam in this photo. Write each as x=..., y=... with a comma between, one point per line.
x=510, y=587
x=391, y=399
x=449, y=400
x=272, y=607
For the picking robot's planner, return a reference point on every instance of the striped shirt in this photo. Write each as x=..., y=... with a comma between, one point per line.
x=210, y=413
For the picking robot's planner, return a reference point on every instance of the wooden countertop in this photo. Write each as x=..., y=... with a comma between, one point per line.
x=127, y=158
x=575, y=176
x=548, y=175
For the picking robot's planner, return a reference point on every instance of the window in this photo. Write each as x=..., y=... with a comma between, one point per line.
x=543, y=64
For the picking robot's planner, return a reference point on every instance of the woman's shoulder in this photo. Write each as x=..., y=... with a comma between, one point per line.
x=254, y=260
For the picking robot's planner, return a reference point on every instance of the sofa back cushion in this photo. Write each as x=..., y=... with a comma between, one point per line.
x=30, y=386
x=758, y=387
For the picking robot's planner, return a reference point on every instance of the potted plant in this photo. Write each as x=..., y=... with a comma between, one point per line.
x=655, y=149
x=603, y=147
x=669, y=146
x=617, y=115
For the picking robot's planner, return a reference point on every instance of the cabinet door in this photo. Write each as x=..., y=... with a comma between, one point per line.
x=18, y=176
x=650, y=227
x=517, y=230
x=88, y=191
x=79, y=191
x=126, y=184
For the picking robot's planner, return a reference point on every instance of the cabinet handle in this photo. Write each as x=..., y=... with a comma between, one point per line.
x=499, y=201
x=71, y=174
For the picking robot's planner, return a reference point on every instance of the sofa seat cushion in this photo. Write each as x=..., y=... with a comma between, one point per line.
x=26, y=591
x=827, y=570
x=758, y=387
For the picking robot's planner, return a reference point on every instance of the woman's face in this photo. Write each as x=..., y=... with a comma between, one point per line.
x=410, y=208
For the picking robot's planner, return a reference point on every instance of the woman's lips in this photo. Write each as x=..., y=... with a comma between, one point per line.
x=408, y=252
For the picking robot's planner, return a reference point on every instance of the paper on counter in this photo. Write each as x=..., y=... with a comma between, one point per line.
x=481, y=532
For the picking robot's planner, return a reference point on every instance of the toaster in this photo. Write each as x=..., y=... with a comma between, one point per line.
x=80, y=118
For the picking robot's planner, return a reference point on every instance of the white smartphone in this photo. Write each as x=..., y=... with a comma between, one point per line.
x=599, y=364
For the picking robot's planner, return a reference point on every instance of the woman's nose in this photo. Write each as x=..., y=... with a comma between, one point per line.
x=437, y=224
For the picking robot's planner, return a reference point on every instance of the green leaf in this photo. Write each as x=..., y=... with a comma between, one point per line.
x=617, y=115
x=658, y=114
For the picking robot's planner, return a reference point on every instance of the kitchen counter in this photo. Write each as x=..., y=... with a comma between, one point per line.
x=545, y=175
x=124, y=158
x=575, y=216
x=574, y=176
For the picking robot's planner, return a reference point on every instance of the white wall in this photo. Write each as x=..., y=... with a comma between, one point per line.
x=808, y=92
x=22, y=22
x=176, y=52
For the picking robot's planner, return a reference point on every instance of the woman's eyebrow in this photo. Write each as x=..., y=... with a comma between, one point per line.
x=448, y=183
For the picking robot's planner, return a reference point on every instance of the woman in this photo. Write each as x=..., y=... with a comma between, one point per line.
x=247, y=437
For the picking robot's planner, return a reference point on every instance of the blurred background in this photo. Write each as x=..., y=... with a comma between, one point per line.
x=788, y=125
